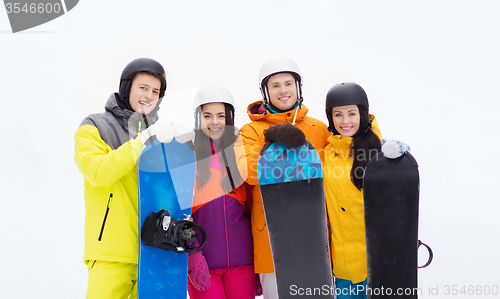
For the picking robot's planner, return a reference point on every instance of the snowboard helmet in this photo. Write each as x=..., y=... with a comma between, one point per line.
x=345, y=94
x=277, y=66
x=212, y=94
x=128, y=73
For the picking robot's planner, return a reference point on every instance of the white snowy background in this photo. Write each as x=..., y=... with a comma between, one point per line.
x=431, y=70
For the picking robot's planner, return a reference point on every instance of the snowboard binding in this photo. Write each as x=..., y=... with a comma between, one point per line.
x=162, y=231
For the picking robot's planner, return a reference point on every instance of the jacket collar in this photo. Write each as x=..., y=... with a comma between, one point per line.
x=133, y=121
x=257, y=111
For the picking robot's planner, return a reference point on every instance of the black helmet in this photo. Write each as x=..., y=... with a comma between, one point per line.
x=138, y=65
x=345, y=94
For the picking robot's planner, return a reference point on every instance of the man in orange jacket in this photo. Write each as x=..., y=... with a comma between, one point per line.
x=281, y=88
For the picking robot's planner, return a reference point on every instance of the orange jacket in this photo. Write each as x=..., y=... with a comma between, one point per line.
x=247, y=153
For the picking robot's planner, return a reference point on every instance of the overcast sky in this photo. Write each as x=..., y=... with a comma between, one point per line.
x=430, y=69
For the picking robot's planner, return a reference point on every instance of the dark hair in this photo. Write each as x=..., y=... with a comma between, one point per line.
x=365, y=145
x=203, y=147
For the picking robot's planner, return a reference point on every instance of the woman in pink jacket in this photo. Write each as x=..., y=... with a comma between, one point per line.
x=220, y=204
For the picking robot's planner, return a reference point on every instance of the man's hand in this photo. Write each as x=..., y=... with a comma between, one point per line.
x=164, y=133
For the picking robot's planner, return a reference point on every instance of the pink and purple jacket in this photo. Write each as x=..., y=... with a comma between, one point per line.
x=225, y=218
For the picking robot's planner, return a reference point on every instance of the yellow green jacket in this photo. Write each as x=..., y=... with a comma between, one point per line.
x=345, y=210
x=107, y=147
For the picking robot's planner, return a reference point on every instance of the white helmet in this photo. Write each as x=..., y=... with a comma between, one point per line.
x=211, y=94
x=275, y=66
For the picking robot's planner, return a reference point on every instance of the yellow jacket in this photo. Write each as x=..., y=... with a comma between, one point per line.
x=106, y=155
x=345, y=210
x=247, y=153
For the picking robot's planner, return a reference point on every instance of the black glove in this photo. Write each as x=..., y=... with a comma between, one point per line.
x=287, y=134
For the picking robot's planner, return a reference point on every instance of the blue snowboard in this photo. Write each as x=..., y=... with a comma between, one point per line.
x=291, y=184
x=166, y=181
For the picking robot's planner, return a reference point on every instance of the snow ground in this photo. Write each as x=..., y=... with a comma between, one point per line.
x=430, y=70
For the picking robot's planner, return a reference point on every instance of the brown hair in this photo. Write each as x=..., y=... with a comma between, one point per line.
x=161, y=77
x=203, y=150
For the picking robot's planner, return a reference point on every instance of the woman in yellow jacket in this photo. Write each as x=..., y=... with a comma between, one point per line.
x=280, y=82
x=355, y=139
x=107, y=146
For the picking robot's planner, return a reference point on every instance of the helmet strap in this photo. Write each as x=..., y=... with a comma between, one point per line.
x=300, y=99
x=265, y=95
x=296, y=112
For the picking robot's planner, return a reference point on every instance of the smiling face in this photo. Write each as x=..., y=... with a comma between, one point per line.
x=282, y=91
x=346, y=120
x=144, y=93
x=213, y=121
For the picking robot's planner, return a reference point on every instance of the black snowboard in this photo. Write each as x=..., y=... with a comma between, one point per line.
x=391, y=196
x=291, y=184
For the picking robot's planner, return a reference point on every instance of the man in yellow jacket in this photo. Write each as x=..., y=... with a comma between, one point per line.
x=107, y=146
x=280, y=83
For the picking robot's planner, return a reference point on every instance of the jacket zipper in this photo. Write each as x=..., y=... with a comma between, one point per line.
x=225, y=225
x=105, y=216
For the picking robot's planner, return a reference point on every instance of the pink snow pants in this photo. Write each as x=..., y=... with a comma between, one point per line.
x=233, y=283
